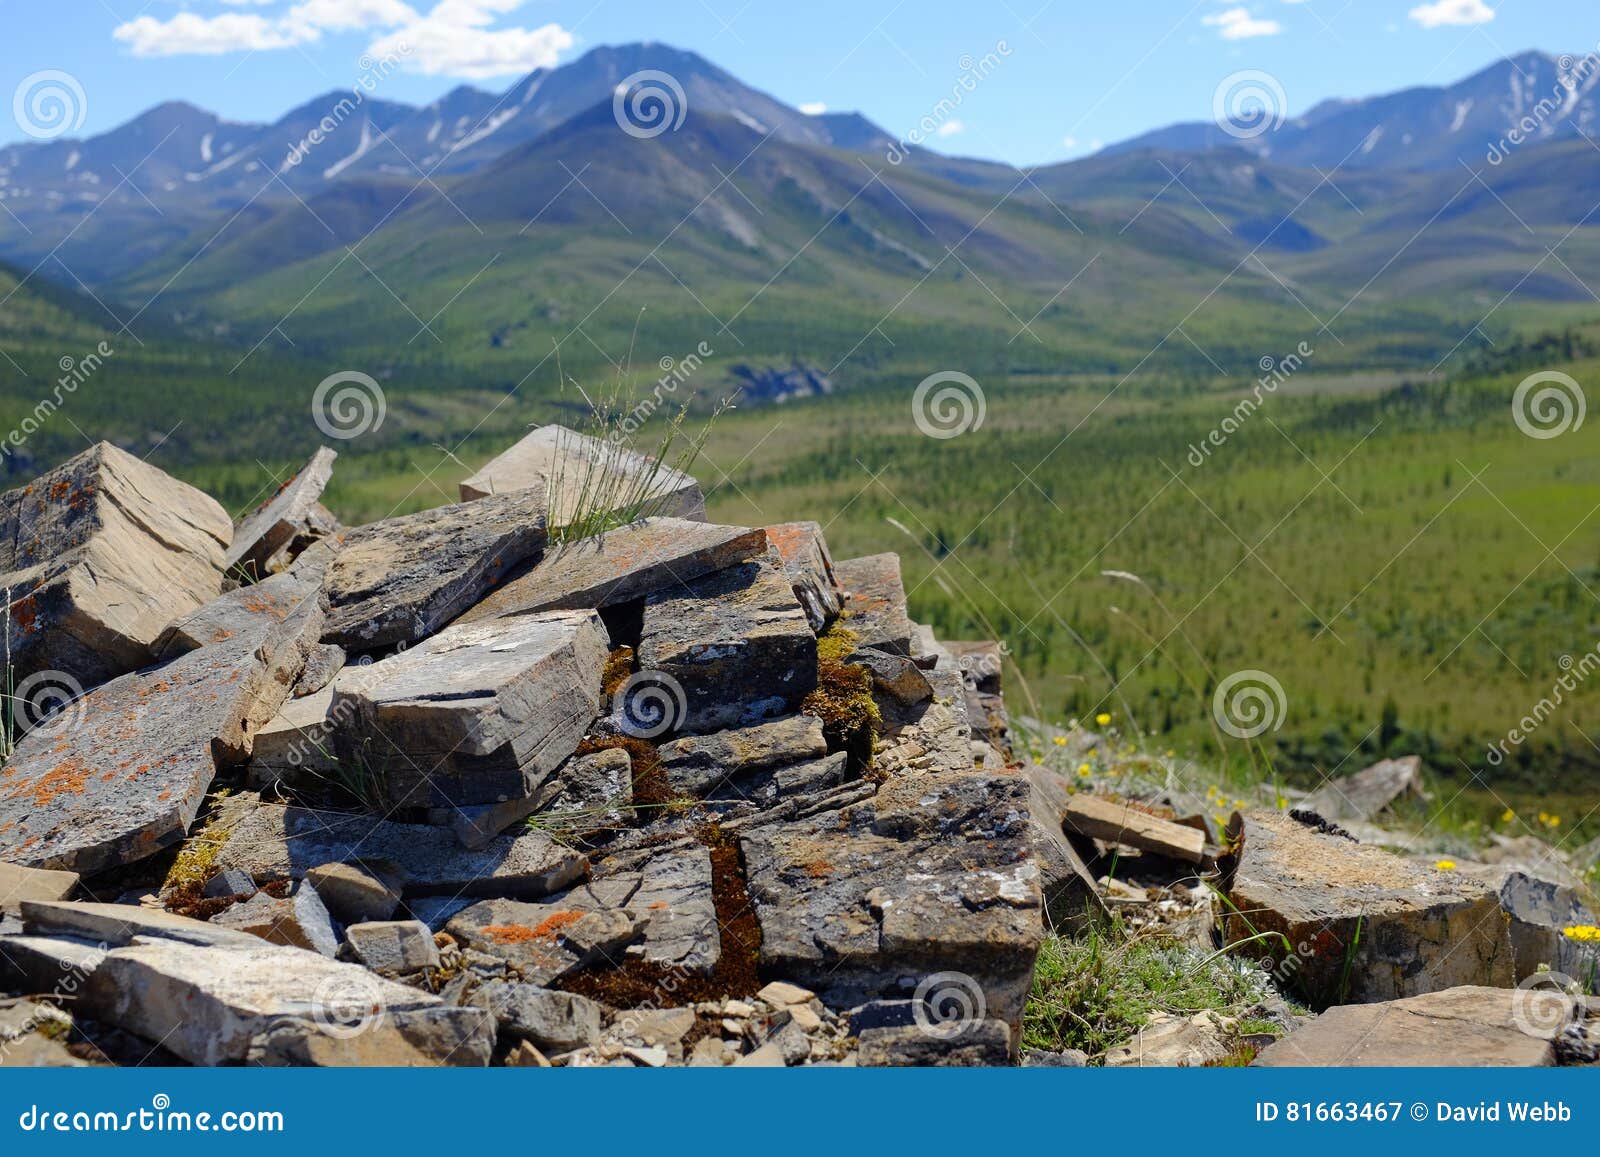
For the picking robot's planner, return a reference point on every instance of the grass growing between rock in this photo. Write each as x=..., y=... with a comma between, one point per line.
x=1096, y=990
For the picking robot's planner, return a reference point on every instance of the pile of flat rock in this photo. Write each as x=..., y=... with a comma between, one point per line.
x=460, y=787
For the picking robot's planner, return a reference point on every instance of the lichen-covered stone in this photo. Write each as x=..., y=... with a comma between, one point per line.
x=737, y=644
x=696, y=765
x=480, y=713
x=125, y=774
x=401, y=579
x=933, y=874
x=97, y=557
x=809, y=568
x=1361, y=924
x=875, y=602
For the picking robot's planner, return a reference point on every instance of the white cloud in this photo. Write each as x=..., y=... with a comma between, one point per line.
x=1457, y=12
x=813, y=108
x=951, y=128
x=1239, y=24
x=189, y=35
x=455, y=38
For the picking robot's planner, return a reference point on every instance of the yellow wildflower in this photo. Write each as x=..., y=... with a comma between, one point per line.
x=1507, y=816
x=1102, y=719
x=1446, y=865
x=1083, y=770
x=1060, y=741
x=1587, y=933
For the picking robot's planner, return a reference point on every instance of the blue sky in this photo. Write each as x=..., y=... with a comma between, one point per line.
x=1077, y=72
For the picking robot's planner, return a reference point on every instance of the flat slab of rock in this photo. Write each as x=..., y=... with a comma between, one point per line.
x=240, y=612
x=933, y=874
x=986, y=1042
x=875, y=602
x=288, y=514
x=576, y=469
x=630, y=562
x=546, y=942
x=401, y=579
x=393, y=947
x=354, y=894
x=1361, y=924
x=299, y=921
x=1116, y=821
x=18, y=884
x=809, y=568
x=698, y=764
x=1469, y=1027
x=213, y=1006
x=322, y=665
x=1068, y=889
x=295, y=746
x=982, y=664
x=1366, y=793
x=737, y=644
x=126, y=775
x=480, y=713
x=99, y=555
x=272, y=842
x=113, y=925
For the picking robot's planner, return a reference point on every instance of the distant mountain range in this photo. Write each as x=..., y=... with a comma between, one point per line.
x=510, y=219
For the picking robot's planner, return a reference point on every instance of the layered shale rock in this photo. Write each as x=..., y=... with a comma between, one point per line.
x=586, y=476
x=875, y=598
x=809, y=568
x=478, y=714
x=1347, y=922
x=631, y=562
x=402, y=579
x=291, y=518
x=97, y=557
x=121, y=773
x=736, y=643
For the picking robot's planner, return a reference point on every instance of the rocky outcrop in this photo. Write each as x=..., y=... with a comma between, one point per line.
x=875, y=599
x=97, y=557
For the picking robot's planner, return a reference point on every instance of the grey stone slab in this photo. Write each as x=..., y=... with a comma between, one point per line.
x=18, y=884
x=736, y=644
x=809, y=568
x=393, y=947
x=402, y=579
x=875, y=602
x=288, y=514
x=555, y=1021
x=480, y=713
x=698, y=764
x=630, y=562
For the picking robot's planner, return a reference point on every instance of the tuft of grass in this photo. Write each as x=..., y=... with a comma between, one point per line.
x=1096, y=990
